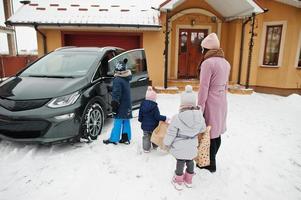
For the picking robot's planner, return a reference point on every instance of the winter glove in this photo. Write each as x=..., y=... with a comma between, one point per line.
x=115, y=106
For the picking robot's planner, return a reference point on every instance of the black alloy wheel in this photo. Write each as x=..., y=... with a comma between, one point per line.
x=93, y=120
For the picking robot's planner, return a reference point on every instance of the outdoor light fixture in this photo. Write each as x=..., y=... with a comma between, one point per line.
x=192, y=22
x=213, y=19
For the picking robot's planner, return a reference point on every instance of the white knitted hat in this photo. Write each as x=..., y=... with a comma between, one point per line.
x=188, y=98
x=211, y=42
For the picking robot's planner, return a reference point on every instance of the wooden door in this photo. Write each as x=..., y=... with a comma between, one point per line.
x=190, y=52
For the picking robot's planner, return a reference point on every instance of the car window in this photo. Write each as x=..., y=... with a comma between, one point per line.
x=102, y=70
x=136, y=61
x=62, y=64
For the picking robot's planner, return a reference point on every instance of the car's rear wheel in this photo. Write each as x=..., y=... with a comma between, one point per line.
x=92, y=121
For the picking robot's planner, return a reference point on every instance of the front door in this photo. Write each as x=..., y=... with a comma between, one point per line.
x=190, y=52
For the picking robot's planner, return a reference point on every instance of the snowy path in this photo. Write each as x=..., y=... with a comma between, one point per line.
x=260, y=158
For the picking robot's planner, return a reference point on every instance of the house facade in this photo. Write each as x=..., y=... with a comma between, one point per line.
x=171, y=32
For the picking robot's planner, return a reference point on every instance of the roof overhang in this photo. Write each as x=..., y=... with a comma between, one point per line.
x=295, y=3
x=89, y=26
x=7, y=30
x=88, y=13
x=229, y=9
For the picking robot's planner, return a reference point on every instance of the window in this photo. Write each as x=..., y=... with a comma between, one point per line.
x=183, y=42
x=272, y=45
x=62, y=64
x=136, y=61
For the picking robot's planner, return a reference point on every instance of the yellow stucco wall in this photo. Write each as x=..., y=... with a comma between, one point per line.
x=230, y=43
x=286, y=75
x=153, y=43
x=53, y=40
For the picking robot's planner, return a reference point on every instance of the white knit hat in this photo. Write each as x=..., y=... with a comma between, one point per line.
x=211, y=42
x=188, y=98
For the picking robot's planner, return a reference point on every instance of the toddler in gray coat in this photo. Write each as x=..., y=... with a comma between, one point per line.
x=182, y=137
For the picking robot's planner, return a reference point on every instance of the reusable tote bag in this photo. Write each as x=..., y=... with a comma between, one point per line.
x=159, y=134
x=203, y=158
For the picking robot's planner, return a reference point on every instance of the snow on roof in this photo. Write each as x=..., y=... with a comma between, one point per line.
x=296, y=3
x=229, y=9
x=129, y=13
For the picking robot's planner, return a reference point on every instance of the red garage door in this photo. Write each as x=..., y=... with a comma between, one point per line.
x=100, y=40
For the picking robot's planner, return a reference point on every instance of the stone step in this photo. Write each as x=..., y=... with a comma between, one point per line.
x=183, y=82
x=234, y=89
x=238, y=89
x=195, y=88
x=169, y=90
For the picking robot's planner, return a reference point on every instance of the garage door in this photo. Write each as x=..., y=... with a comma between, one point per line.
x=126, y=42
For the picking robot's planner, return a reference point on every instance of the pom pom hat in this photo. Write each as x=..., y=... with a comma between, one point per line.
x=188, y=98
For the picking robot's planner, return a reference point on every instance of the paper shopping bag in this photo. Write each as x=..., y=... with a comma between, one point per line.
x=159, y=134
x=203, y=158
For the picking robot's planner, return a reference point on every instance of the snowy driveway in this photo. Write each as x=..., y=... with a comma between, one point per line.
x=260, y=158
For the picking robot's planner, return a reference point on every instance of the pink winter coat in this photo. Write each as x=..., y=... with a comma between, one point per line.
x=212, y=95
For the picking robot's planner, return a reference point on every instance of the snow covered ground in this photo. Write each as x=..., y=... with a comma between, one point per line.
x=260, y=158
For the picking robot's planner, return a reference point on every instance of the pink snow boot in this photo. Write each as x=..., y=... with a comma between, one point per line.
x=178, y=182
x=188, y=179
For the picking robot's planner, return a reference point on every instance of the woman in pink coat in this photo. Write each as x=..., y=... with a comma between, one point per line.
x=212, y=98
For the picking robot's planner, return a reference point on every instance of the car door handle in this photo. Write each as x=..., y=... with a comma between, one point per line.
x=142, y=79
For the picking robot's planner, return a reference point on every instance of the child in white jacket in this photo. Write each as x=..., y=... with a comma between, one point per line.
x=182, y=137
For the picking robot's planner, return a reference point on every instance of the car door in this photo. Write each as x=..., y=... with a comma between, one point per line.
x=138, y=66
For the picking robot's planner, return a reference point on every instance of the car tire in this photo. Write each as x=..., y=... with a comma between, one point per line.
x=92, y=121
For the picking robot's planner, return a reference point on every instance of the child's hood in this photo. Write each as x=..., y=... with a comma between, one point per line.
x=148, y=106
x=191, y=122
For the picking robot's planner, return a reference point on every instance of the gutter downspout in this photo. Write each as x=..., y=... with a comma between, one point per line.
x=166, y=49
x=44, y=38
x=241, y=49
x=251, y=44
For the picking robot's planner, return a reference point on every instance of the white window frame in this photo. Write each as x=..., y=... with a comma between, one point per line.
x=298, y=51
x=263, y=42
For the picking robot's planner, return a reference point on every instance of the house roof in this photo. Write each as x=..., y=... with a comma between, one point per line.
x=229, y=9
x=98, y=13
x=296, y=3
x=5, y=29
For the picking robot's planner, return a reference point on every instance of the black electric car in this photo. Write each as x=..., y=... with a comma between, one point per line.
x=66, y=94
